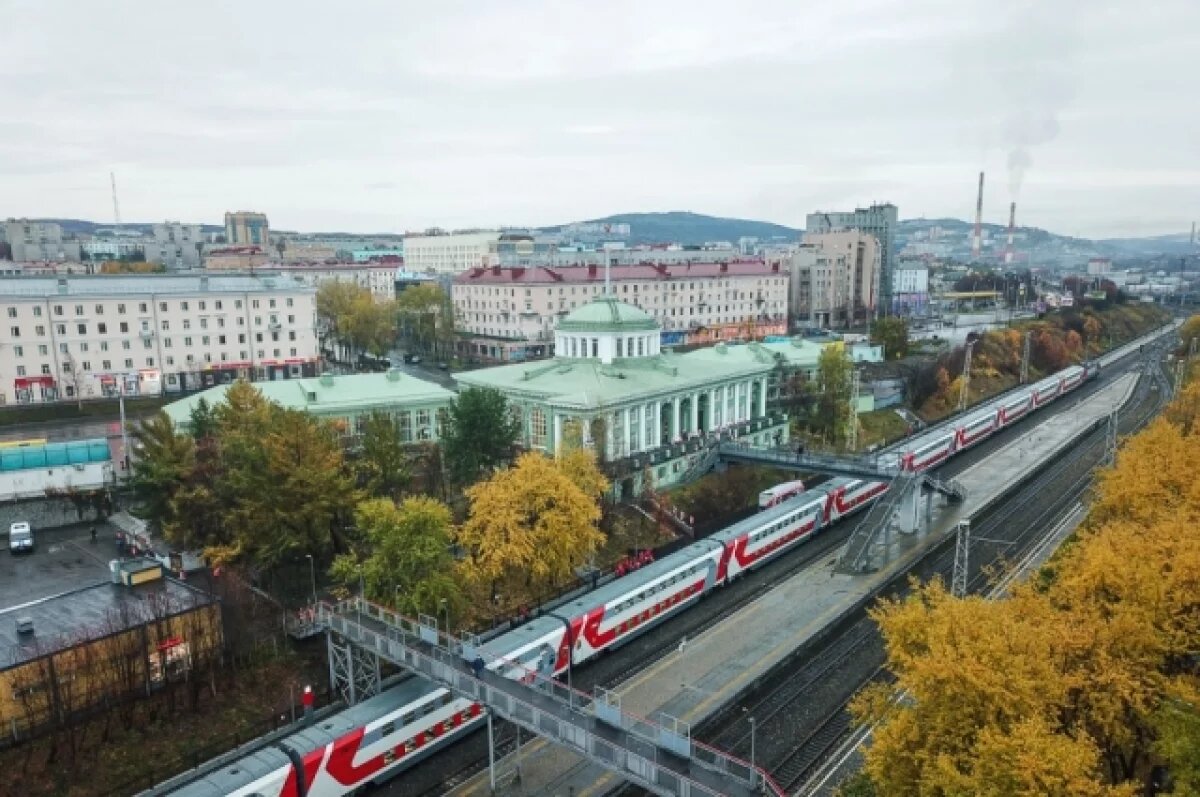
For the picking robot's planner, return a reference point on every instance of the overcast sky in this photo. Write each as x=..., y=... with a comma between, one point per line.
x=385, y=116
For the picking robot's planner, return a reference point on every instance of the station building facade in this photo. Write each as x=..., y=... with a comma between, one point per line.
x=639, y=405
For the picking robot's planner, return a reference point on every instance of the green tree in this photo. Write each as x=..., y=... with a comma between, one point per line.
x=202, y=421
x=164, y=461
x=370, y=325
x=478, y=434
x=892, y=334
x=382, y=462
x=426, y=316
x=832, y=413
x=406, y=561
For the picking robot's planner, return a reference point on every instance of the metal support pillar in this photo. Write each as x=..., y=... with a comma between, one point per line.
x=964, y=396
x=1025, y=359
x=962, y=548
x=1110, y=439
x=852, y=415
x=353, y=671
x=491, y=753
x=928, y=510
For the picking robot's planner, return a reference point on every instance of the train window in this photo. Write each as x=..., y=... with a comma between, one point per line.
x=387, y=729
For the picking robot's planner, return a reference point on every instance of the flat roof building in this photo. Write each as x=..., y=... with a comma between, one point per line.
x=90, y=336
x=347, y=401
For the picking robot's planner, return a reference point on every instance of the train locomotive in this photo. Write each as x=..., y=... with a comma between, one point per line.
x=381, y=737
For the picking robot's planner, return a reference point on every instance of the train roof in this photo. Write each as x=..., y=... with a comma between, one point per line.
x=536, y=629
x=261, y=762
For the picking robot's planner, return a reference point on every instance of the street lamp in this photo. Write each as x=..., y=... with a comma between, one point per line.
x=312, y=574
x=445, y=608
x=753, y=766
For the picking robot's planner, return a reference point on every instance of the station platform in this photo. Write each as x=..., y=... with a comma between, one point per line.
x=711, y=670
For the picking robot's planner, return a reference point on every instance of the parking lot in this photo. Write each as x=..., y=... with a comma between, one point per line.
x=65, y=560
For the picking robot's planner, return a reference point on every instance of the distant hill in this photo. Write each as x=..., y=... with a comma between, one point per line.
x=693, y=228
x=84, y=227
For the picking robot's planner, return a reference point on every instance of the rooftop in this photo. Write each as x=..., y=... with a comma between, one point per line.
x=329, y=394
x=125, y=285
x=607, y=314
x=645, y=271
x=87, y=613
x=588, y=384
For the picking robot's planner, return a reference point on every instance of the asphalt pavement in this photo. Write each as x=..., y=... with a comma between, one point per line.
x=65, y=559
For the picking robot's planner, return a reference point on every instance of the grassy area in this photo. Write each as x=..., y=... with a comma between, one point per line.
x=880, y=427
x=718, y=498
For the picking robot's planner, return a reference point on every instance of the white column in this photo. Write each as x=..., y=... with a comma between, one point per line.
x=695, y=425
x=712, y=410
x=628, y=416
x=657, y=424
x=762, y=397
x=748, y=410
x=675, y=419
x=611, y=444
x=557, y=420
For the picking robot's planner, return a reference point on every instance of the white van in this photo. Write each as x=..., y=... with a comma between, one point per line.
x=20, y=538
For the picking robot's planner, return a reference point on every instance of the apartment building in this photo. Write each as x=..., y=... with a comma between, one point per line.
x=379, y=278
x=71, y=337
x=177, y=246
x=877, y=220
x=835, y=279
x=38, y=241
x=449, y=254
x=512, y=312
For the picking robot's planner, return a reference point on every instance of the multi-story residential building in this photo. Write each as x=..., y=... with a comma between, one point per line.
x=511, y=312
x=246, y=228
x=38, y=240
x=90, y=336
x=235, y=258
x=835, y=279
x=449, y=254
x=379, y=278
x=177, y=246
x=381, y=254
x=878, y=220
x=910, y=288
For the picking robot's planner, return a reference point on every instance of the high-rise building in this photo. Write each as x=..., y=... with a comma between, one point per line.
x=177, y=246
x=835, y=279
x=246, y=228
x=449, y=254
x=38, y=240
x=878, y=220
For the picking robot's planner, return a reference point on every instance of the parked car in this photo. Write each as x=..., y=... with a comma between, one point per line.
x=20, y=538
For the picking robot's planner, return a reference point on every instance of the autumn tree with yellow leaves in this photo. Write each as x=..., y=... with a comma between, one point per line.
x=1084, y=682
x=529, y=527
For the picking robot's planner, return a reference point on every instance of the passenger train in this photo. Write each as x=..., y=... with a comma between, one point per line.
x=378, y=738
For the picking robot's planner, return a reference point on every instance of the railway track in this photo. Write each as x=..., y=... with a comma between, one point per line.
x=797, y=766
x=465, y=759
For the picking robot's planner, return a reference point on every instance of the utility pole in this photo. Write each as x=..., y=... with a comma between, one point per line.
x=964, y=395
x=1025, y=359
x=962, y=547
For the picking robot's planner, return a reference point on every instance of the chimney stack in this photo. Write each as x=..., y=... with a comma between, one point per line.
x=1012, y=227
x=977, y=241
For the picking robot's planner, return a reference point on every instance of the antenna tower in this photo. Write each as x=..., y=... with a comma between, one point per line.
x=852, y=415
x=962, y=550
x=112, y=176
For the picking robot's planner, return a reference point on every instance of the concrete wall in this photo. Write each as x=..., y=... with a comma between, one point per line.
x=42, y=513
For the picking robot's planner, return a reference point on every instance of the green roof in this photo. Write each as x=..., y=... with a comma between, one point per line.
x=589, y=384
x=607, y=314
x=331, y=395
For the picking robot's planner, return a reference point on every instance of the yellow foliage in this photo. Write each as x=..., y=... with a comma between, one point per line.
x=529, y=527
x=1062, y=689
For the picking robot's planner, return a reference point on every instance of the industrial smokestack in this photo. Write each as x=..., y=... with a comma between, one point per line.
x=977, y=241
x=1012, y=228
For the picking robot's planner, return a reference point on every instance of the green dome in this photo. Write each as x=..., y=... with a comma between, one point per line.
x=607, y=314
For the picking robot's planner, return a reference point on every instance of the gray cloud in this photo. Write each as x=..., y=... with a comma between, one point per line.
x=392, y=115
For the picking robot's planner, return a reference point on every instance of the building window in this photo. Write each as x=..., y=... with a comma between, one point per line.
x=289, y=302
x=99, y=309
x=19, y=351
x=183, y=306
x=37, y=311
x=106, y=365
x=166, y=326
x=128, y=362
x=217, y=304
x=149, y=362
x=20, y=370
x=203, y=305
x=81, y=329
x=187, y=323
x=58, y=309
x=537, y=428
x=12, y=312
x=102, y=329
x=15, y=332
x=187, y=341
x=45, y=369
x=43, y=349
x=83, y=346
x=595, y=347
x=166, y=343
x=142, y=307
x=125, y=345
x=162, y=307
x=124, y=326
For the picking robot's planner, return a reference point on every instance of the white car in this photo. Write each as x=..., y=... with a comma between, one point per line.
x=20, y=538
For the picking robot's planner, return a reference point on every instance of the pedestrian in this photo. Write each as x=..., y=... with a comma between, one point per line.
x=93, y=535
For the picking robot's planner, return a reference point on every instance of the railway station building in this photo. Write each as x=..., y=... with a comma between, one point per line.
x=639, y=405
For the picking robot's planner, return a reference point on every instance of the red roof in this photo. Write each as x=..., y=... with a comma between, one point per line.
x=587, y=274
